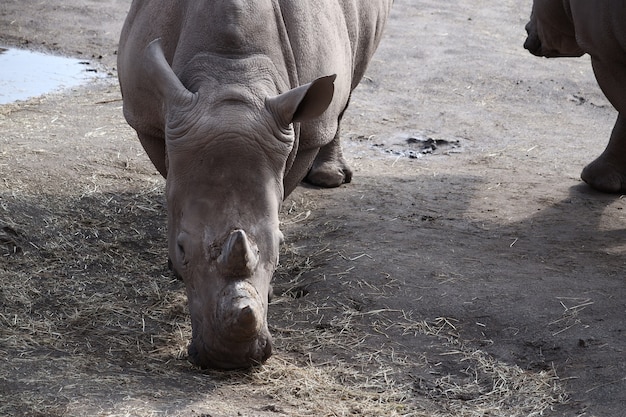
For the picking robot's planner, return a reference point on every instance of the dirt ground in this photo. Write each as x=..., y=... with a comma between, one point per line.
x=480, y=279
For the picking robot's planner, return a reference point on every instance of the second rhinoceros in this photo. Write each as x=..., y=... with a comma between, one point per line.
x=570, y=28
x=235, y=102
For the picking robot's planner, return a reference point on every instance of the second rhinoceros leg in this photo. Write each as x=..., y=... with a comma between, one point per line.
x=608, y=172
x=330, y=169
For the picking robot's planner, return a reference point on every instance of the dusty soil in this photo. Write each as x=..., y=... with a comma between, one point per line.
x=482, y=278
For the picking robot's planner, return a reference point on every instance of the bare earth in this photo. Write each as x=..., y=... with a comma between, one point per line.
x=484, y=279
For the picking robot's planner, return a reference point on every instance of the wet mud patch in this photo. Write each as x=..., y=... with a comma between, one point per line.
x=411, y=146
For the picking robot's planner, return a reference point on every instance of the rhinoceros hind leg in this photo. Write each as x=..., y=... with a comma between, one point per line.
x=608, y=172
x=330, y=169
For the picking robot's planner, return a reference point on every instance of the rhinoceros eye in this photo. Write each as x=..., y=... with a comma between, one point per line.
x=180, y=248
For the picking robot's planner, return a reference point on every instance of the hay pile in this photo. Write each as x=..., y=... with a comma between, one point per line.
x=93, y=323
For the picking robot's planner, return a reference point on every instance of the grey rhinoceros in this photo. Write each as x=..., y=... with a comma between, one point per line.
x=235, y=102
x=571, y=28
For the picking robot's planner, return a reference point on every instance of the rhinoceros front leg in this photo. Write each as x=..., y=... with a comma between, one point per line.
x=330, y=169
x=608, y=172
x=155, y=148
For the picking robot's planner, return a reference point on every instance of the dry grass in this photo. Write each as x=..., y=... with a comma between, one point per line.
x=92, y=323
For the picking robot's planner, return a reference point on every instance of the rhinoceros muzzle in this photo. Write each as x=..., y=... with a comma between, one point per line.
x=240, y=313
x=236, y=334
x=533, y=44
x=239, y=337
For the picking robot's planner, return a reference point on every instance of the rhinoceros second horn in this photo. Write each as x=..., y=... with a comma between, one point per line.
x=239, y=258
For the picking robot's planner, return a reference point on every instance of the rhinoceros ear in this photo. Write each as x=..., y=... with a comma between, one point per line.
x=305, y=102
x=163, y=77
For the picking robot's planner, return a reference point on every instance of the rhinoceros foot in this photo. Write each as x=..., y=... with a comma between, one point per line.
x=605, y=176
x=329, y=174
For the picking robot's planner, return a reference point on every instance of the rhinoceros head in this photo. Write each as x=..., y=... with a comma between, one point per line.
x=227, y=144
x=551, y=30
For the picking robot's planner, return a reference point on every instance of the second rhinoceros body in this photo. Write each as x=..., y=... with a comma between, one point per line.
x=570, y=28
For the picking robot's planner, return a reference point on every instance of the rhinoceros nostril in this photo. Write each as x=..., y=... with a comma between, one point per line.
x=170, y=266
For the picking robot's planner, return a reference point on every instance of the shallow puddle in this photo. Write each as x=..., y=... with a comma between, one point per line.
x=25, y=74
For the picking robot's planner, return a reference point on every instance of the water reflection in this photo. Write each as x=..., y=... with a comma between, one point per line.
x=25, y=74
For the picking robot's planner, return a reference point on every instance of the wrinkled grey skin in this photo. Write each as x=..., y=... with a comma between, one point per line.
x=235, y=102
x=570, y=28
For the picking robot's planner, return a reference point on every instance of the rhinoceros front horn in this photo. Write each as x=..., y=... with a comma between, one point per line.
x=240, y=312
x=239, y=256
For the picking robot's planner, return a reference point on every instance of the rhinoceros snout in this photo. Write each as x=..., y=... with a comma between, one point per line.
x=240, y=313
x=238, y=356
x=533, y=45
x=237, y=336
x=533, y=42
